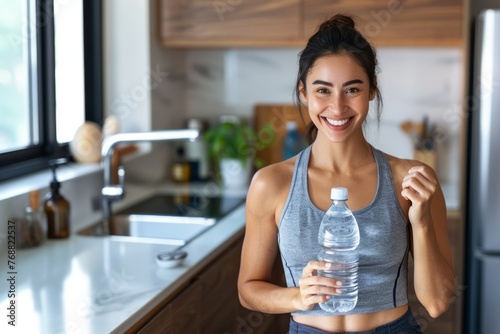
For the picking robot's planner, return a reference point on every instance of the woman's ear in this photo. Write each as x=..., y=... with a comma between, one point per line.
x=373, y=89
x=303, y=94
x=372, y=94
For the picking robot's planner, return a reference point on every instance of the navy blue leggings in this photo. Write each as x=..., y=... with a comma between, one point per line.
x=406, y=324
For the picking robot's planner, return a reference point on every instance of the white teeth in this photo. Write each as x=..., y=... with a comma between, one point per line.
x=337, y=123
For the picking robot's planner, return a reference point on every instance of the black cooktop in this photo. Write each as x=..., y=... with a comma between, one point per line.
x=185, y=205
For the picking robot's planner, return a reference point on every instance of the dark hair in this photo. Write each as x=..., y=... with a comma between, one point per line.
x=337, y=35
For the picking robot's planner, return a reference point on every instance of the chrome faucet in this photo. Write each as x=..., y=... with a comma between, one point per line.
x=112, y=192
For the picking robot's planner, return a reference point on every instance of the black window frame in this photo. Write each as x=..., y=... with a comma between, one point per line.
x=35, y=158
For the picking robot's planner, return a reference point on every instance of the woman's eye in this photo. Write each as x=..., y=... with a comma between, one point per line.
x=322, y=90
x=352, y=90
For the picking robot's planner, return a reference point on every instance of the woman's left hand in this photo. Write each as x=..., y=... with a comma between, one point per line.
x=419, y=187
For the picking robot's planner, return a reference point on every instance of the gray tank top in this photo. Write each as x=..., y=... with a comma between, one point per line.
x=383, y=248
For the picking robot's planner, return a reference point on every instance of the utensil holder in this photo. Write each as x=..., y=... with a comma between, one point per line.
x=426, y=156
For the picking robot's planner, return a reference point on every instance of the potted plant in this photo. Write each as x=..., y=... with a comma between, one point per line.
x=232, y=147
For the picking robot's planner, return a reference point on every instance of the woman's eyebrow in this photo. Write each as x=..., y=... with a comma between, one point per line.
x=321, y=82
x=355, y=81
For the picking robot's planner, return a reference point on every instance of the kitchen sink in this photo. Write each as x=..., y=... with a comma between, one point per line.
x=166, y=219
x=170, y=230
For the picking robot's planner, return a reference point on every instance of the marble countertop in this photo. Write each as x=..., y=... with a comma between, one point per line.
x=95, y=285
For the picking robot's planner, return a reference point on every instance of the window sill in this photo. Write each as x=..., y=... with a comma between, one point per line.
x=72, y=171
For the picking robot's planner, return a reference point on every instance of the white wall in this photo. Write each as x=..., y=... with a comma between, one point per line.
x=143, y=82
x=127, y=70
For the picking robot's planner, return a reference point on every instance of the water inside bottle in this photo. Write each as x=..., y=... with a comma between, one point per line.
x=345, y=269
x=345, y=237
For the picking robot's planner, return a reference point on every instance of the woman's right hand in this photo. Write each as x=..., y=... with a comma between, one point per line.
x=316, y=289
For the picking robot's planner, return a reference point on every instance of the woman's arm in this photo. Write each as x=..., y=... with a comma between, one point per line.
x=265, y=199
x=434, y=277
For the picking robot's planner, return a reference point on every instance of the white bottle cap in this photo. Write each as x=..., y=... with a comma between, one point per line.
x=339, y=194
x=291, y=125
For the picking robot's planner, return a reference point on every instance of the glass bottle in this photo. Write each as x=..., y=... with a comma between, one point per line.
x=57, y=209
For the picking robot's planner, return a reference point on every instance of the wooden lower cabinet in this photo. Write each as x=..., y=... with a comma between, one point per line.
x=210, y=304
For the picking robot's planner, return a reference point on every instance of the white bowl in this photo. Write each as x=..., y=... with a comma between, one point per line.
x=171, y=259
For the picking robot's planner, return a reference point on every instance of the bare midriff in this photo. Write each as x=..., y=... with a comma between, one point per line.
x=353, y=322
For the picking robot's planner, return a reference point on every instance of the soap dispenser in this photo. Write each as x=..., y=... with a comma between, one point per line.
x=56, y=207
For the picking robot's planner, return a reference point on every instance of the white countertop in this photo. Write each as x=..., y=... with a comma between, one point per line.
x=95, y=285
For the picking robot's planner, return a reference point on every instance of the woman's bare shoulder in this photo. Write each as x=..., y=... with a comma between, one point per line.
x=273, y=178
x=270, y=186
x=400, y=167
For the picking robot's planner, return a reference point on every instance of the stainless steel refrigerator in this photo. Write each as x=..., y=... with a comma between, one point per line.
x=482, y=303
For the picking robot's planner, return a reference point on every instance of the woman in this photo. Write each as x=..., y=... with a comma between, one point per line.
x=398, y=204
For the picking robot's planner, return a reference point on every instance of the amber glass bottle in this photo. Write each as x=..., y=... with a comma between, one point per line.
x=56, y=209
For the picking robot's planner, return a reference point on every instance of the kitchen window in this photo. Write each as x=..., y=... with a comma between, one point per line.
x=50, y=79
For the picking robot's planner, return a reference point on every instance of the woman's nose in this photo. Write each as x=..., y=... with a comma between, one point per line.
x=337, y=104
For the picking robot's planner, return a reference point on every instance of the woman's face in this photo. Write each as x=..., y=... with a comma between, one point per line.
x=337, y=94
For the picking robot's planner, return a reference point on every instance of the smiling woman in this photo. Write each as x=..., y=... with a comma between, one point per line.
x=397, y=203
x=50, y=80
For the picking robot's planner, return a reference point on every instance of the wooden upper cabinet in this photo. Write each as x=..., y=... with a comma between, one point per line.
x=282, y=23
x=221, y=23
x=395, y=22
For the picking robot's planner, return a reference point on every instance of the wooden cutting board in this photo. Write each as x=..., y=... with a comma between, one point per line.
x=270, y=124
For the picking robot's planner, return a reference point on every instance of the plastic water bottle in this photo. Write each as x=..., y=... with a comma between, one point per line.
x=293, y=141
x=339, y=238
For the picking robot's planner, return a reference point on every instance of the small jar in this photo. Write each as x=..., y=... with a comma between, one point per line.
x=181, y=172
x=31, y=230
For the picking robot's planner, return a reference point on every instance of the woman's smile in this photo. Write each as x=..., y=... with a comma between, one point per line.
x=337, y=122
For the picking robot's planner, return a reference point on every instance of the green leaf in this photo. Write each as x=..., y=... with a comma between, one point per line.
x=237, y=141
